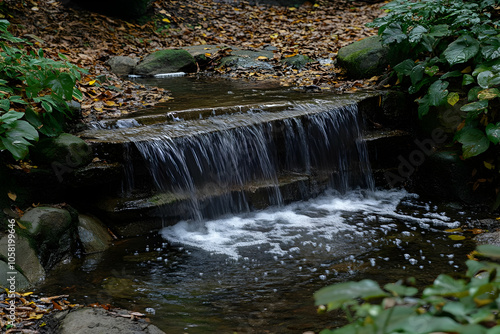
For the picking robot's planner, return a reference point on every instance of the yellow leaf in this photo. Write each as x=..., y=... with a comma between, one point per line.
x=468, y=69
x=453, y=98
x=33, y=315
x=26, y=294
x=488, y=165
x=274, y=36
x=262, y=58
x=92, y=82
x=110, y=103
x=12, y=196
x=166, y=20
x=292, y=8
x=453, y=230
x=456, y=237
x=208, y=54
x=20, y=225
x=316, y=5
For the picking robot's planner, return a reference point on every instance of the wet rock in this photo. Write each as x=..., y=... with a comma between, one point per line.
x=64, y=150
x=122, y=65
x=98, y=320
x=364, y=58
x=245, y=63
x=199, y=51
x=297, y=61
x=166, y=61
x=46, y=222
x=53, y=231
x=93, y=235
x=490, y=238
x=26, y=258
x=21, y=282
x=94, y=174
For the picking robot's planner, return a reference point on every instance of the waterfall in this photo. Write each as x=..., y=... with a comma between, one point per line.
x=216, y=169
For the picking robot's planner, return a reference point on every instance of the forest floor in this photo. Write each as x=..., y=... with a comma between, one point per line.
x=89, y=39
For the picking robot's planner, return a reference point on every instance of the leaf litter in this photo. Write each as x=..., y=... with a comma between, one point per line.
x=316, y=30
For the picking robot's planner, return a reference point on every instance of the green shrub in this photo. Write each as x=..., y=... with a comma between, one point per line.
x=34, y=91
x=470, y=305
x=453, y=53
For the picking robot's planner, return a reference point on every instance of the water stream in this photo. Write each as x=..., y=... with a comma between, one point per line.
x=239, y=270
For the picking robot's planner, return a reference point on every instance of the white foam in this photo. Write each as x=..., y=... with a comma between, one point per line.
x=328, y=224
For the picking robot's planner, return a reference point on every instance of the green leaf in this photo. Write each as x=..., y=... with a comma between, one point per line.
x=431, y=71
x=474, y=142
x=446, y=286
x=487, y=79
x=416, y=74
x=11, y=116
x=493, y=132
x=438, y=93
x=472, y=94
x=405, y=67
x=467, y=80
x=452, y=74
x=492, y=50
x=423, y=106
x=461, y=50
x=336, y=295
x=439, y=30
x=63, y=86
x=5, y=104
x=15, y=139
x=489, y=251
x=393, y=33
x=475, y=106
x=77, y=94
x=416, y=34
x=401, y=290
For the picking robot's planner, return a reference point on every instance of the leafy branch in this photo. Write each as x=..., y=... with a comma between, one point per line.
x=449, y=305
x=34, y=93
x=453, y=54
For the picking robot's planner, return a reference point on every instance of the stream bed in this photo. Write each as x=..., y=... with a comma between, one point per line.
x=257, y=272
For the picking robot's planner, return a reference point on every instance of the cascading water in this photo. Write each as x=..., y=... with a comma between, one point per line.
x=213, y=168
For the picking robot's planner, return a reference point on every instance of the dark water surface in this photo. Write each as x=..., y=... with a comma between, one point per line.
x=257, y=272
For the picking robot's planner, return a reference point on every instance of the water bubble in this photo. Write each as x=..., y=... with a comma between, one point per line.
x=413, y=261
x=407, y=256
x=150, y=310
x=322, y=277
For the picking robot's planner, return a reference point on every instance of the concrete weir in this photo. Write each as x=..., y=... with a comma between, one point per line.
x=197, y=164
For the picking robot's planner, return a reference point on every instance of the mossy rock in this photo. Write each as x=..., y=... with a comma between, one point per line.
x=65, y=149
x=94, y=236
x=166, y=61
x=364, y=58
x=297, y=61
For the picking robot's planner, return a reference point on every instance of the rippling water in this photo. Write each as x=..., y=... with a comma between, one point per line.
x=256, y=272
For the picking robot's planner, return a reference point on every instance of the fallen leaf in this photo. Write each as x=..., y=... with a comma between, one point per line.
x=12, y=196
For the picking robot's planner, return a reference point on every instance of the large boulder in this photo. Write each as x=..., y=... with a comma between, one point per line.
x=26, y=258
x=20, y=282
x=122, y=65
x=53, y=232
x=65, y=149
x=166, y=61
x=364, y=58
